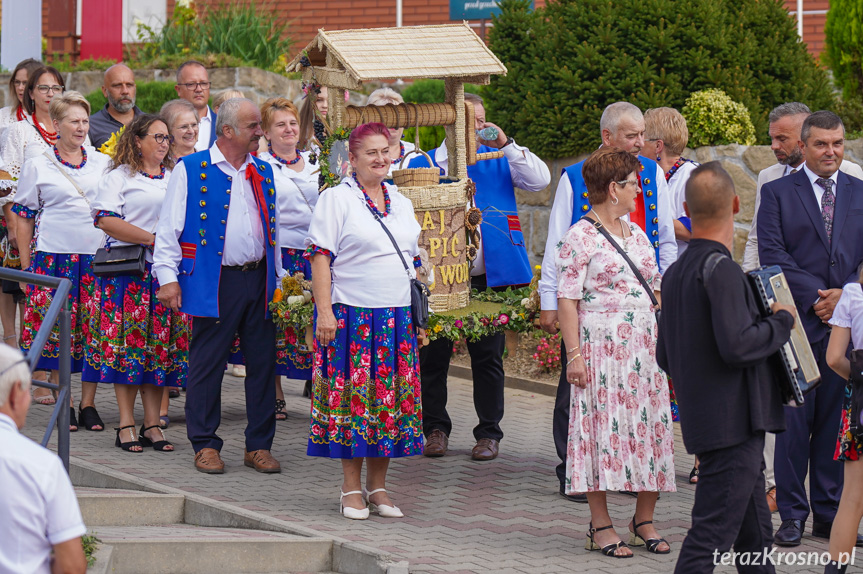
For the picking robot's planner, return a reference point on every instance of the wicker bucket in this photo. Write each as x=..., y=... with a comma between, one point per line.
x=416, y=176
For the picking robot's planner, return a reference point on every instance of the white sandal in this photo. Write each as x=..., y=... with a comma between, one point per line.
x=350, y=512
x=383, y=510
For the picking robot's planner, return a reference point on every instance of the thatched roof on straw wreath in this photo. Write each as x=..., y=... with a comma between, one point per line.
x=410, y=52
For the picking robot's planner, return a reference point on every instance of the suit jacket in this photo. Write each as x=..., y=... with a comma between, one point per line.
x=792, y=235
x=766, y=175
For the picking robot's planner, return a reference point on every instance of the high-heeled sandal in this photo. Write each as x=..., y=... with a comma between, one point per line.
x=651, y=544
x=157, y=445
x=608, y=549
x=90, y=418
x=129, y=445
x=383, y=510
x=349, y=512
x=73, y=420
x=281, y=413
x=693, y=475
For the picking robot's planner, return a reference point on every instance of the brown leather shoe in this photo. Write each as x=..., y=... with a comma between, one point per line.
x=262, y=461
x=436, y=444
x=209, y=461
x=485, y=449
x=771, y=500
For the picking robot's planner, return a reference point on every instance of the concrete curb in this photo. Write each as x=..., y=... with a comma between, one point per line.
x=347, y=557
x=104, y=559
x=529, y=385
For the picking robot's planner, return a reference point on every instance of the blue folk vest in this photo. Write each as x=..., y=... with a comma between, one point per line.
x=506, y=261
x=649, y=191
x=203, y=238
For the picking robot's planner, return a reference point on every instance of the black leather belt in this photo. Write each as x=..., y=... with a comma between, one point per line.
x=246, y=266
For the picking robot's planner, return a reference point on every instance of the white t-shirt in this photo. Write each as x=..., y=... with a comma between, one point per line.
x=65, y=223
x=38, y=508
x=298, y=193
x=849, y=313
x=366, y=270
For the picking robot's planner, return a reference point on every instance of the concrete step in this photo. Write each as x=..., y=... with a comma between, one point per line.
x=117, y=507
x=187, y=549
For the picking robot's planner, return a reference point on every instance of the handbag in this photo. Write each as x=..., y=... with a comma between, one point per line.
x=123, y=260
x=419, y=291
x=601, y=228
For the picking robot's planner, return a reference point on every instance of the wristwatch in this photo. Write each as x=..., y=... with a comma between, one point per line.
x=509, y=140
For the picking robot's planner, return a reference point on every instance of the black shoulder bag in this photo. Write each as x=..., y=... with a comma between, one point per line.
x=601, y=228
x=419, y=291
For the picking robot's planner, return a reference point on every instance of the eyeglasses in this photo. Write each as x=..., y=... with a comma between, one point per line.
x=43, y=89
x=19, y=83
x=162, y=138
x=626, y=182
x=187, y=127
x=196, y=85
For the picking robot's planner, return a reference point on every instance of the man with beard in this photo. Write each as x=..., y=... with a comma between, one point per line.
x=786, y=122
x=119, y=89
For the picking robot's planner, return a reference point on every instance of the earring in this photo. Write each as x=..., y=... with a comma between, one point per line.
x=614, y=201
x=58, y=137
x=658, y=159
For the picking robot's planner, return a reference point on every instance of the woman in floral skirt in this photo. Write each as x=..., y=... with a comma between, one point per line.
x=620, y=430
x=137, y=343
x=58, y=186
x=366, y=396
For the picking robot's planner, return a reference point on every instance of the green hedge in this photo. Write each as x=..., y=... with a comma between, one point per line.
x=150, y=96
x=570, y=59
x=429, y=92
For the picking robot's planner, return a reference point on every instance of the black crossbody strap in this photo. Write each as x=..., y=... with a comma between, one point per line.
x=393, y=239
x=601, y=228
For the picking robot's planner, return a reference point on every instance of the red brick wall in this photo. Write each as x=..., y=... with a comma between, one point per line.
x=813, y=23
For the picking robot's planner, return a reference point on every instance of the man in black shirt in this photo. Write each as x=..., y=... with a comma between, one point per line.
x=714, y=343
x=119, y=89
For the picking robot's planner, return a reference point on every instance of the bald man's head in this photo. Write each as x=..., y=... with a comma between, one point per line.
x=710, y=195
x=118, y=87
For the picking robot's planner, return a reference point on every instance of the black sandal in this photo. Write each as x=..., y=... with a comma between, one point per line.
x=128, y=446
x=157, y=445
x=307, y=389
x=173, y=393
x=608, y=549
x=73, y=421
x=651, y=544
x=281, y=413
x=693, y=475
x=90, y=418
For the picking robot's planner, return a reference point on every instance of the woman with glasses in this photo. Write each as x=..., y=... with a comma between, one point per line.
x=182, y=121
x=58, y=186
x=620, y=430
x=138, y=344
x=15, y=112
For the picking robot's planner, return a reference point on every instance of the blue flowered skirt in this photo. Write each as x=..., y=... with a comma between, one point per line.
x=79, y=270
x=135, y=339
x=291, y=361
x=366, y=394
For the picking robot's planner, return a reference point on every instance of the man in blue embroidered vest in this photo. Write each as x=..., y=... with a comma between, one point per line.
x=621, y=126
x=215, y=260
x=502, y=261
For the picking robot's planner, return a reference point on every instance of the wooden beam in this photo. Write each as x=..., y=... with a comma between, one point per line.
x=455, y=134
x=401, y=115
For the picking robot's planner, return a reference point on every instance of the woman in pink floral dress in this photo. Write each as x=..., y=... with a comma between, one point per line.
x=620, y=430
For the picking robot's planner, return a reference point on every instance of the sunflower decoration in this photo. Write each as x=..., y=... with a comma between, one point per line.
x=471, y=252
x=109, y=148
x=473, y=219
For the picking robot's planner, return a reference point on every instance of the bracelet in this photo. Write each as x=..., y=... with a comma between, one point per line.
x=572, y=359
x=568, y=351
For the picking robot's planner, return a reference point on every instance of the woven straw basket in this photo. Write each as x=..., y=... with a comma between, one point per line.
x=416, y=176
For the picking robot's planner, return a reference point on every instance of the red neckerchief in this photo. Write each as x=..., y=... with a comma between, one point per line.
x=255, y=178
x=637, y=216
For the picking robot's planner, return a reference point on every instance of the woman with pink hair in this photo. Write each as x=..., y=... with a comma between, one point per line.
x=366, y=396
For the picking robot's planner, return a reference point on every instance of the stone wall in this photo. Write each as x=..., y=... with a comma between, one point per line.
x=742, y=162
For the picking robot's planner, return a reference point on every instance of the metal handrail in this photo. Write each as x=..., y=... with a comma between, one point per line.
x=57, y=311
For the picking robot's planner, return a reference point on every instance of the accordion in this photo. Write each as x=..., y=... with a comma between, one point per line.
x=794, y=364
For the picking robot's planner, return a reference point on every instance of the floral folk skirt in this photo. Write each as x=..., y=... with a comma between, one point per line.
x=290, y=360
x=848, y=447
x=79, y=270
x=366, y=394
x=134, y=339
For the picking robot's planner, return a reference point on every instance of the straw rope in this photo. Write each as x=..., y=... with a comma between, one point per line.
x=440, y=196
x=402, y=115
x=449, y=301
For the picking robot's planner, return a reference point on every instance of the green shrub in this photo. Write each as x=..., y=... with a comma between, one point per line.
x=570, y=59
x=844, y=41
x=715, y=119
x=254, y=34
x=150, y=96
x=429, y=92
x=63, y=63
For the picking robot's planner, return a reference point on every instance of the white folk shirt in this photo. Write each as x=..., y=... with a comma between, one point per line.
x=366, y=269
x=205, y=128
x=528, y=172
x=65, y=224
x=137, y=199
x=244, y=235
x=849, y=313
x=8, y=118
x=297, y=194
x=677, y=195
x=560, y=220
x=38, y=506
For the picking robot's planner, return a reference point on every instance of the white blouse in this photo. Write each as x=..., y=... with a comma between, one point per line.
x=9, y=117
x=298, y=193
x=65, y=223
x=135, y=198
x=394, y=154
x=366, y=270
x=849, y=313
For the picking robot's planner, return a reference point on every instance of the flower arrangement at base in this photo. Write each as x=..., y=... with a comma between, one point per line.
x=292, y=304
x=488, y=312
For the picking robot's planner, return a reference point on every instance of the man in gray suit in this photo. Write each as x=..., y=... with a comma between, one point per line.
x=786, y=122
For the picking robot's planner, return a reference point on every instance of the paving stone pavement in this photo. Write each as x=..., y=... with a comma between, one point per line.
x=502, y=516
